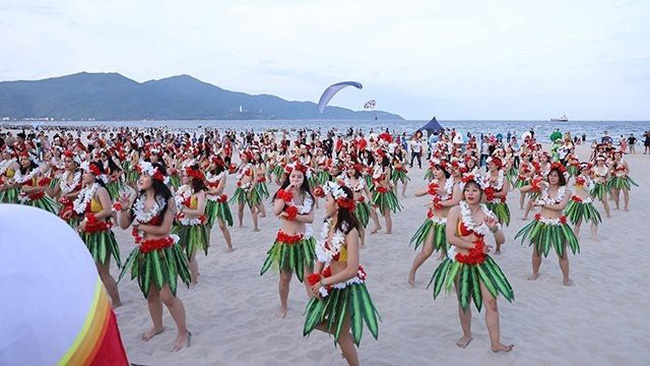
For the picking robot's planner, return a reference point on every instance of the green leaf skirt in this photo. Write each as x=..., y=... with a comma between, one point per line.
x=362, y=212
x=546, y=236
x=582, y=212
x=45, y=203
x=353, y=301
x=192, y=237
x=291, y=257
x=9, y=196
x=439, y=235
x=501, y=211
x=217, y=210
x=469, y=277
x=102, y=245
x=159, y=267
x=386, y=201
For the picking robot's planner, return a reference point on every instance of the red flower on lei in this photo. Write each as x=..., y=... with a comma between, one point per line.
x=222, y=199
x=288, y=239
x=155, y=244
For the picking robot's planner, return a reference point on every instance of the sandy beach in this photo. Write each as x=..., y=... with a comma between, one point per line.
x=601, y=320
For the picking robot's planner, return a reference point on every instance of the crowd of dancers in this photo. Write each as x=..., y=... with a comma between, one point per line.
x=170, y=190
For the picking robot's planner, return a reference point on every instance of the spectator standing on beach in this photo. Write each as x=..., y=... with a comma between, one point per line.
x=431, y=142
x=485, y=150
x=631, y=142
x=646, y=142
x=622, y=142
x=416, y=149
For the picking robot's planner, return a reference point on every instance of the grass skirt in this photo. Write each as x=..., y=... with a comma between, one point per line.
x=262, y=190
x=251, y=198
x=501, y=211
x=322, y=177
x=362, y=212
x=44, y=203
x=600, y=190
x=132, y=176
x=354, y=300
x=217, y=210
x=469, y=278
x=582, y=212
x=278, y=171
x=193, y=237
x=9, y=196
x=159, y=267
x=386, y=201
x=624, y=182
x=291, y=257
x=439, y=235
x=175, y=181
x=399, y=176
x=547, y=235
x=521, y=182
x=102, y=245
x=114, y=189
x=428, y=175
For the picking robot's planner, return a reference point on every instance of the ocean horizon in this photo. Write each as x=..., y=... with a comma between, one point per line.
x=592, y=129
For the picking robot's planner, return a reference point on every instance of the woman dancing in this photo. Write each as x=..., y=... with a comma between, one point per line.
x=340, y=300
x=217, y=208
x=581, y=209
x=474, y=273
x=158, y=260
x=94, y=204
x=445, y=194
x=191, y=227
x=620, y=181
x=362, y=212
x=600, y=189
x=293, y=249
x=550, y=229
x=383, y=196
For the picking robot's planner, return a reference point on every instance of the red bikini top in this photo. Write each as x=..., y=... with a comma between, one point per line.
x=464, y=231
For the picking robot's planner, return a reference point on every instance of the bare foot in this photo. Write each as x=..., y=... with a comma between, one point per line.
x=282, y=312
x=256, y=230
x=609, y=216
x=497, y=252
x=193, y=284
x=524, y=218
x=533, y=277
x=463, y=341
x=375, y=230
x=146, y=336
x=263, y=215
x=502, y=347
x=230, y=250
x=626, y=209
x=388, y=232
x=411, y=280
x=403, y=195
x=182, y=341
x=567, y=282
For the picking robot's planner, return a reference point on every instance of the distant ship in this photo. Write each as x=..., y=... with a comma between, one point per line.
x=564, y=118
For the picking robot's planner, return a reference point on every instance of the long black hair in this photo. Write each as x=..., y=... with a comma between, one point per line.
x=345, y=219
x=196, y=183
x=32, y=166
x=99, y=165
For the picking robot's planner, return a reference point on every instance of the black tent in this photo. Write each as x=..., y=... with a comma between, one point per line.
x=432, y=126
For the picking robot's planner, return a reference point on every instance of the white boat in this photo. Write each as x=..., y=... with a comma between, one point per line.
x=564, y=118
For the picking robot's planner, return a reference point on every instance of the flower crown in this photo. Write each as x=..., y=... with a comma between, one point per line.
x=147, y=168
x=194, y=173
x=295, y=165
x=94, y=168
x=339, y=195
x=470, y=177
x=73, y=156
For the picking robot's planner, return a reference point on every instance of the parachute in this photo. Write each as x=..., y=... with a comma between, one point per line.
x=331, y=91
x=370, y=104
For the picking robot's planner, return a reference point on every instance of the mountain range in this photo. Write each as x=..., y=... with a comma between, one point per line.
x=112, y=97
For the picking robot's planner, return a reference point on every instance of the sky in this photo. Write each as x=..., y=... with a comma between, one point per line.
x=457, y=60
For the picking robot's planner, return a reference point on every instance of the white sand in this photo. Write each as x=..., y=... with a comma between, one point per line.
x=603, y=319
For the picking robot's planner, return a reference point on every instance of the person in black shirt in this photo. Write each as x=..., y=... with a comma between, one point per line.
x=646, y=142
x=631, y=141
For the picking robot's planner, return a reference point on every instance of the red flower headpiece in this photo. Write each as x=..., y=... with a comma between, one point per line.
x=496, y=161
x=558, y=166
x=194, y=173
x=94, y=168
x=346, y=203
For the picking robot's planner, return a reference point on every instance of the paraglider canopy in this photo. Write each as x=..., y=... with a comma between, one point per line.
x=432, y=126
x=370, y=104
x=331, y=91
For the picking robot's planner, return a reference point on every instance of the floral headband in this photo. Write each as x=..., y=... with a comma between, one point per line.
x=147, y=168
x=473, y=178
x=93, y=168
x=194, y=173
x=72, y=155
x=339, y=195
x=295, y=165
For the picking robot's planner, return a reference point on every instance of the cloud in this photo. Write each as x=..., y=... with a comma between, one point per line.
x=467, y=59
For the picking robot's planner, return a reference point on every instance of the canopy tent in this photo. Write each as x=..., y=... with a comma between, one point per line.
x=432, y=126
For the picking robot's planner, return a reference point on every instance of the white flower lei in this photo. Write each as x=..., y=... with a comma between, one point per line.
x=5, y=165
x=498, y=185
x=148, y=169
x=323, y=253
x=357, y=188
x=449, y=189
x=20, y=179
x=466, y=216
x=63, y=182
x=545, y=199
x=84, y=197
x=144, y=217
x=212, y=179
